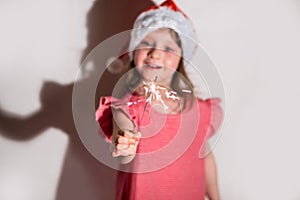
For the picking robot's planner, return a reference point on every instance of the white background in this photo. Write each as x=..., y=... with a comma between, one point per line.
x=255, y=45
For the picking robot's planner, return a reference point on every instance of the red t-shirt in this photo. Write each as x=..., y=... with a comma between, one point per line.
x=167, y=164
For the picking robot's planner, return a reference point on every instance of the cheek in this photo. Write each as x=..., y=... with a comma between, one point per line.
x=139, y=56
x=172, y=62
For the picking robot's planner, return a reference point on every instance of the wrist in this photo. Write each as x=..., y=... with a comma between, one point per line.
x=125, y=159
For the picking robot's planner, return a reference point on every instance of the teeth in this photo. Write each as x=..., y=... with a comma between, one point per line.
x=154, y=66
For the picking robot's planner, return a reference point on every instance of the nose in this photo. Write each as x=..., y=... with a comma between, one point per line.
x=155, y=53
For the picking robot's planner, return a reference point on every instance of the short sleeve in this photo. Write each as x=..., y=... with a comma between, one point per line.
x=107, y=105
x=214, y=115
x=104, y=117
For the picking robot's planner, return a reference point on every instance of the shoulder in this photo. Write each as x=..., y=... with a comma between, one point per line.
x=209, y=104
x=128, y=105
x=212, y=111
x=209, y=101
x=104, y=114
x=211, y=108
x=107, y=103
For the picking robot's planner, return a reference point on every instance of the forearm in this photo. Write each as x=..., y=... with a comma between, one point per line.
x=125, y=159
x=212, y=189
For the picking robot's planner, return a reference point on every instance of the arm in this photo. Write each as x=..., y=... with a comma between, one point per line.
x=212, y=190
x=125, y=144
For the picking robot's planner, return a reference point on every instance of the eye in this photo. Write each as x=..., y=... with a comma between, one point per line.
x=145, y=43
x=169, y=49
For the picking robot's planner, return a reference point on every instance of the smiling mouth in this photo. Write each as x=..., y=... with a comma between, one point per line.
x=153, y=66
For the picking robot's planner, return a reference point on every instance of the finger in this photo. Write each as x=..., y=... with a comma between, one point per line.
x=132, y=134
x=131, y=150
x=115, y=139
x=122, y=146
x=115, y=153
x=125, y=140
x=126, y=150
x=118, y=153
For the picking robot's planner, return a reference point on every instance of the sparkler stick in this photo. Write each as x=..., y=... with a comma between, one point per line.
x=147, y=102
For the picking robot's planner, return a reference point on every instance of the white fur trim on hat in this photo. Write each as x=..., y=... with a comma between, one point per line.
x=164, y=17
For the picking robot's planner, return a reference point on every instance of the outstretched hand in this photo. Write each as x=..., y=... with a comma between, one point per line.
x=126, y=142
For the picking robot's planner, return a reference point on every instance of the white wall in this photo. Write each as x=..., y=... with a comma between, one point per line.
x=255, y=45
x=40, y=41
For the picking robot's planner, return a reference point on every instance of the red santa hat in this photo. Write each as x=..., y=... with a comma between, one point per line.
x=165, y=15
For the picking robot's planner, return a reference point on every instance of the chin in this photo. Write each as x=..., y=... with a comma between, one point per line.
x=150, y=76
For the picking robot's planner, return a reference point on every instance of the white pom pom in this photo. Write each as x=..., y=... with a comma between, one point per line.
x=114, y=65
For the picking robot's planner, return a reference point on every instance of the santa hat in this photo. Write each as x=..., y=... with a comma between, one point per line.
x=166, y=15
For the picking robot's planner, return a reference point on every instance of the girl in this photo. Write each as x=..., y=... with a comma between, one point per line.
x=158, y=127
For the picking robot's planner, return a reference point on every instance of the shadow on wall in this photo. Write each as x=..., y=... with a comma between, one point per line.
x=82, y=176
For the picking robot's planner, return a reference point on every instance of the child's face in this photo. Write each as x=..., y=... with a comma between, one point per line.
x=158, y=55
